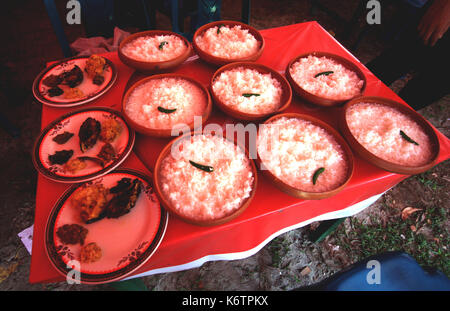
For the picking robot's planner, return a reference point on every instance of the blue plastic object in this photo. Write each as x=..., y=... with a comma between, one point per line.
x=392, y=271
x=58, y=27
x=98, y=17
x=206, y=11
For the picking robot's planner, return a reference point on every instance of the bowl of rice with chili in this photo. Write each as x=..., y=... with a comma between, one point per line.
x=250, y=91
x=223, y=42
x=154, y=50
x=389, y=135
x=205, y=179
x=325, y=79
x=166, y=104
x=303, y=156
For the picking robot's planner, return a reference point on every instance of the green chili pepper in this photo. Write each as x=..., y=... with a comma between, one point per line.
x=218, y=28
x=250, y=94
x=166, y=110
x=205, y=168
x=317, y=173
x=162, y=44
x=325, y=73
x=407, y=138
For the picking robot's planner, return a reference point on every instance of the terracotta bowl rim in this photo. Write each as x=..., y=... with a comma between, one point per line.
x=206, y=223
x=286, y=88
x=217, y=60
x=143, y=65
x=377, y=161
x=305, y=194
x=156, y=132
x=318, y=100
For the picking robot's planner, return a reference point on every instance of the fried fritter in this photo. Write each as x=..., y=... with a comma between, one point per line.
x=89, y=133
x=110, y=130
x=74, y=165
x=94, y=66
x=90, y=253
x=73, y=93
x=91, y=202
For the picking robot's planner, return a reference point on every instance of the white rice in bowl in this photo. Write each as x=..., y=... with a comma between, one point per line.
x=179, y=99
x=228, y=42
x=377, y=128
x=201, y=195
x=248, y=90
x=293, y=150
x=325, y=77
x=155, y=48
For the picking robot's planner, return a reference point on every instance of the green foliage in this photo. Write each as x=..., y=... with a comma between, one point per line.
x=424, y=236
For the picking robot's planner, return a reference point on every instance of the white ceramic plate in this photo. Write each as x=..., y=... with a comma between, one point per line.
x=126, y=242
x=71, y=122
x=90, y=90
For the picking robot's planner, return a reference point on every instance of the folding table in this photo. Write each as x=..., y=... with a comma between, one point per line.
x=271, y=212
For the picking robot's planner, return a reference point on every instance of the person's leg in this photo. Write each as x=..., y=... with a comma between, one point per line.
x=395, y=61
x=432, y=81
x=406, y=48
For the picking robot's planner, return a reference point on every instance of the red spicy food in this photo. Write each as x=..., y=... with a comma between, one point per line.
x=72, y=234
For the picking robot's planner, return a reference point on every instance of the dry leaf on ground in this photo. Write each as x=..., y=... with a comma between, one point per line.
x=6, y=272
x=408, y=211
x=305, y=271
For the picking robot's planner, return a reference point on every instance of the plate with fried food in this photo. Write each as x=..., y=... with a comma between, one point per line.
x=74, y=81
x=103, y=230
x=83, y=145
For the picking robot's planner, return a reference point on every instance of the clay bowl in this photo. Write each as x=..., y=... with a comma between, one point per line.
x=166, y=203
x=220, y=61
x=285, y=98
x=323, y=101
x=377, y=161
x=298, y=193
x=148, y=66
x=164, y=132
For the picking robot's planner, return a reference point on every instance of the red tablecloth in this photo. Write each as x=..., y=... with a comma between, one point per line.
x=271, y=210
